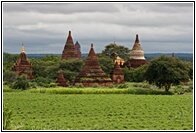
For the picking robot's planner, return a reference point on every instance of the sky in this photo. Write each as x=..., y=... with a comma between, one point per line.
x=43, y=27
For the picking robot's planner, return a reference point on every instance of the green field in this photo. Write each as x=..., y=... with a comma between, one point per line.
x=42, y=111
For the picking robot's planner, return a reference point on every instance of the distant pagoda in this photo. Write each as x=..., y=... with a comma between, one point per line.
x=117, y=75
x=78, y=49
x=61, y=80
x=92, y=73
x=71, y=51
x=137, y=58
x=23, y=66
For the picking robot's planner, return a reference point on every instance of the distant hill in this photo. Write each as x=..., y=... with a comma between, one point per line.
x=148, y=56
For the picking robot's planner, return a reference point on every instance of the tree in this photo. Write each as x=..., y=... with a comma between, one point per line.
x=106, y=64
x=9, y=60
x=135, y=75
x=21, y=83
x=113, y=48
x=165, y=71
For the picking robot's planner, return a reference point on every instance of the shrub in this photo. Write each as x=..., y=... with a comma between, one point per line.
x=79, y=85
x=95, y=85
x=112, y=86
x=21, y=83
x=122, y=86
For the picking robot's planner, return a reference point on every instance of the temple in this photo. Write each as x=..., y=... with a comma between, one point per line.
x=71, y=51
x=78, y=49
x=23, y=66
x=92, y=73
x=117, y=75
x=61, y=80
x=137, y=58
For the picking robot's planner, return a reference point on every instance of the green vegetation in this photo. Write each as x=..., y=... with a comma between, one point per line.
x=112, y=50
x=166, y=71
x=36, y=111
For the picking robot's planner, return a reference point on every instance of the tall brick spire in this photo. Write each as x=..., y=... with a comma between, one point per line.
x=92, y=72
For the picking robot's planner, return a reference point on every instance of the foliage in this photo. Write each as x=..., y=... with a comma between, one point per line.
x=79, y=85
x=44, y=82
x=113, y=48
x=135, y=75
x=21, y=82
x=106, y=64
x=7, y=115
x=122, y=86
x=165, y=71
x=37, y=111
x=120, y=89
x=9, y=60
x=72, y=65
x=9, y=77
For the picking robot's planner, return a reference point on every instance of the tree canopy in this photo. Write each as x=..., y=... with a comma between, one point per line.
x=165, y=71
x=113, y=48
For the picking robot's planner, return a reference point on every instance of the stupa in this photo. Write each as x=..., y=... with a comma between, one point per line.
x=136, y=56
x=117, y=75
x=78, y=49
x=61, y=80
x=92, y=73
x=23, y=66
x=70, y=51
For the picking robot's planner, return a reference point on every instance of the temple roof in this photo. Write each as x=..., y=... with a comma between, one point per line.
x=69, y=39
x=137, y=51
x=77, y=43
x=117, y=70
x=92, y=68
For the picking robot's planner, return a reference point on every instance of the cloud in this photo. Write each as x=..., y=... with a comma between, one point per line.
x=43, y=27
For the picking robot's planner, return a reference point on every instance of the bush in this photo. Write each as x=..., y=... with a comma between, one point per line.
x=79, y=85
x=21, y=83
x=122, y=86
x=95, y=85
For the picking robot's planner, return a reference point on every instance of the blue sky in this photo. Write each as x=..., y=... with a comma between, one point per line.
x=43, y=27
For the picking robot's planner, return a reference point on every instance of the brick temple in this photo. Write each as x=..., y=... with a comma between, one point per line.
x=117, y=75
x=70, y=50
x=61, y=80
x=137, y=58
x=23, y=66
x=92, y=73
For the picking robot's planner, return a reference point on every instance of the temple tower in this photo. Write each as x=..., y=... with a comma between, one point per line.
x=61, y=80
x=117, y=75
x=92, y=72
x=136, y=56
x=69, y=51
x=78, y=49
x=23, y=66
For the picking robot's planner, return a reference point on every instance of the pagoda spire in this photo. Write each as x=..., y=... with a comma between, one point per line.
x=22, y=51
x=137, y=39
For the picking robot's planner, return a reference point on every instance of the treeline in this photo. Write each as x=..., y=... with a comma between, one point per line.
x=149, y=56
x=162, y=71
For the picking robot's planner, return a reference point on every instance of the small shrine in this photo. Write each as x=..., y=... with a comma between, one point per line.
x=92, y=73
x=117, y=75
x=61, y=80
x=137, y=58
x=23, y=66
x=71, y=51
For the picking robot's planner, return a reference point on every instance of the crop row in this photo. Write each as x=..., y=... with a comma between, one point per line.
x=36, y=111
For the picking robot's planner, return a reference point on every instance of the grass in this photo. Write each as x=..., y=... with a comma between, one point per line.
x=38, y=111
x=61, y=90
